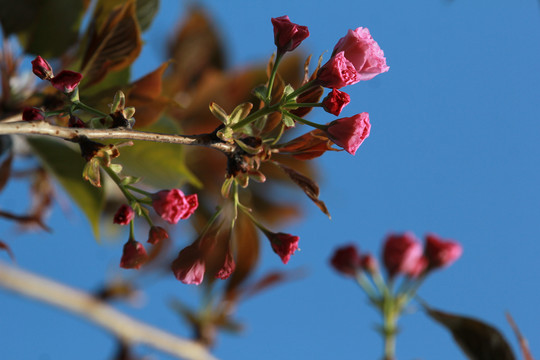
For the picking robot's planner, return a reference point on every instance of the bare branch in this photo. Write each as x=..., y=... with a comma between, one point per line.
x=8, y=126
x=127, y=329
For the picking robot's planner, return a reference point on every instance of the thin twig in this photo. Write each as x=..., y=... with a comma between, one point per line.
x=7, y=126
x=125, y=328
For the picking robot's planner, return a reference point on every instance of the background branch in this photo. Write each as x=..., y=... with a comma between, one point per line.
x=127, y=329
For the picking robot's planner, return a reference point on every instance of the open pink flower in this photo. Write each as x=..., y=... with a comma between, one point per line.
x=338, y=72
x=133, y=256
x=66, y=81
x=189, y=267
x=346, y=260
x=441, y=253
x=401, y=253
x=173, y=205
x=363, y=52
x=283, y=244
x=32, y=114
x=287, y=35
x=335, y=101
x=124, y=215
x=157, y=234
x=41, y=68
x=350, y=132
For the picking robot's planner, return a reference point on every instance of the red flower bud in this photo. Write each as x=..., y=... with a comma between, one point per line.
x=346, y=260
x=32, y=114
x=134, y=255
x=75, y=122
x=441, y=253
x=41, y=68
x=173, y=205
x=349, y=133
x=66, y=81
x=228, y=267
x=189, y=267
x=283, y=244
x=337, y=73
x=287, y=35
x=401, y=253
x=335, y=101
x=157, y=234
x=369, y=263
x=124, y=215
x=418, y=267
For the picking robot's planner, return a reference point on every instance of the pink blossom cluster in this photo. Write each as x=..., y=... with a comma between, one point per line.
x=402, y=255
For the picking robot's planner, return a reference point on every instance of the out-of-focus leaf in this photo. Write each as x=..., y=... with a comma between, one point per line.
x=271, y=279
x=523, y=343
x=309, y=186
x=6, y=248
x=246, y=246
x=114, y=41
x=146, y=11
x=195, y=49
x=101, y=93
x=67, y=166
x=313, y=95
x=145, y=95
x=7, y=155
x=160, y=165
x=478, y=340
x=45, y=27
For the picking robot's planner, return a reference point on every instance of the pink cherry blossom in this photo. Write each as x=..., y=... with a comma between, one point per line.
x=363, y=52
x=189, y=267
x=173, y=205
x=337, y=72
x=350, y=132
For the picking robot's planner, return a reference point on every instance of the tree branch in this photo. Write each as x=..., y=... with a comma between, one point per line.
x=10, y=127
x=127, y=329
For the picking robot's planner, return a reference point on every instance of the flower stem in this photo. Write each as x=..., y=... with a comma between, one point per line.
x=256, y=115
x=301, y=89
x=272, y=77
x=304, y=121
x=80, y=105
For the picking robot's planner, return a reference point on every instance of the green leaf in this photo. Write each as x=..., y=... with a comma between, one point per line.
x=288, y=121
x=160, y=165
x=478, y=340
x=66, y=165
x=45, y=27
x=240, y=112
x=219, y=113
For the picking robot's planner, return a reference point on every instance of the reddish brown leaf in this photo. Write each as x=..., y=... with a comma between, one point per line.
x=478, y=340
x=313, y=95
x=523, y=343
x=309, y=186
x=113, y=45
x=308, y=146
x=271, y=279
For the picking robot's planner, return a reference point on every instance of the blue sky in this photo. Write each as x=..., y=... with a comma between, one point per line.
x=453, y=150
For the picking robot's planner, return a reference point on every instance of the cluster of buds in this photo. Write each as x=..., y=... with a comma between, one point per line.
x=171, y=205
x=402, y=255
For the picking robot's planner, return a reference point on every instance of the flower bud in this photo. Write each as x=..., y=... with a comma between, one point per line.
x=157, y=234
x=32, y=114
x=134, y=255
x=283, y=244
x=441, y=253
x=287, y=35
x=337, y=72
x=124, y=215
x=369, y=263
x=66, y=81
x=75, y=122
x=346, y=260
x=335, y=101
x=228, y=267
x=41, y=68
x=349, y=133
x=401, y=253
x=189, y=267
